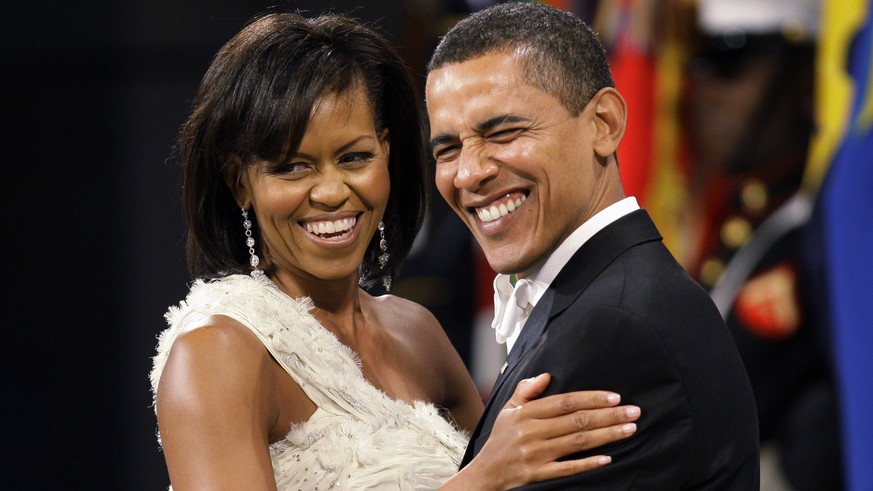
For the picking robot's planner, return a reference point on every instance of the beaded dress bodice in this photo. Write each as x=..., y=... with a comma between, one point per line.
x=358, y=437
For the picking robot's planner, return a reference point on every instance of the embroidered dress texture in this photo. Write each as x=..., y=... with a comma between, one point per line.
x=358, y=437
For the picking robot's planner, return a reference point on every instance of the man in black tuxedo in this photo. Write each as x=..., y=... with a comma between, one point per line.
x=525, y=124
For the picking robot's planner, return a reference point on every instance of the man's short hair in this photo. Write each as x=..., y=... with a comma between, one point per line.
x=560, y=54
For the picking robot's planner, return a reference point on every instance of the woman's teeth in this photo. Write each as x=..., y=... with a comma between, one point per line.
x=342, y=227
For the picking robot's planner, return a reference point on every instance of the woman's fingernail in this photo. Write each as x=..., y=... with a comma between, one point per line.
x=628, y=428
x=604, y=460
x=613, y=398
x=632, y=412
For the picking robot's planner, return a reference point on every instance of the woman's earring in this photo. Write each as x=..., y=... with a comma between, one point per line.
x=384, y=257
x=254, y=260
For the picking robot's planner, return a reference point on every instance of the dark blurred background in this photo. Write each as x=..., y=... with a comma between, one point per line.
x=93, y=94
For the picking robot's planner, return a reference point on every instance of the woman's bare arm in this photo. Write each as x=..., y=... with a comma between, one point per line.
x=215, y=409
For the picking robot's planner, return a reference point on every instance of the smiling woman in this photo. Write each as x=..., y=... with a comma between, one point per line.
x=304, y=177
x=319, y=207
x=254, y=106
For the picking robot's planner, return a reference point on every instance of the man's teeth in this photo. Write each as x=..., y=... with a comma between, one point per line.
x=494, y=212
x=342, y=226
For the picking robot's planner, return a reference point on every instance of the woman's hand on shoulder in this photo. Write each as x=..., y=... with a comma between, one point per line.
x=214, y=409
x=530, y=435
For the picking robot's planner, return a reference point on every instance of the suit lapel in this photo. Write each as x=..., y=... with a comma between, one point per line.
x=597, y=254
x=533, y=328
x=585, y=265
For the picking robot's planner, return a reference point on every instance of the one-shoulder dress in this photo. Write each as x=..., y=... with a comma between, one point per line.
x=358, y=437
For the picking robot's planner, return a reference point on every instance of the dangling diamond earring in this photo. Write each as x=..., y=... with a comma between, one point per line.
x=366, y=270
x=384, y=257
x=254, y=260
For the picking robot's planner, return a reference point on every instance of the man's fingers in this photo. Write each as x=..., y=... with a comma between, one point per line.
x=527, y=390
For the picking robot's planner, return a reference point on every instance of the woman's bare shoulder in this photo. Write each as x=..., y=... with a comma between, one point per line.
x=416, y=328
x=216, y=359
x=219, y=334
x=394, y=311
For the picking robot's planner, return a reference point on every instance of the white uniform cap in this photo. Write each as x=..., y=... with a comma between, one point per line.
x=796, y=18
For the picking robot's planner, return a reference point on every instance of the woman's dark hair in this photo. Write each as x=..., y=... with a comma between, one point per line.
x=254, y=103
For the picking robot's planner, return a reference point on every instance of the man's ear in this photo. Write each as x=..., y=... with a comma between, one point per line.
x=236, y=182
x=610, y=120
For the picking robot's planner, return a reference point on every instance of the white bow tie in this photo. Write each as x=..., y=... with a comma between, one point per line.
x=512, y=306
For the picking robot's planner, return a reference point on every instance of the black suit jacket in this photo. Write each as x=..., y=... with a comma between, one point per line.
x=623, y=315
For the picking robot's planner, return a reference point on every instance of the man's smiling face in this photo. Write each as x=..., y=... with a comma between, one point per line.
x=513, y=163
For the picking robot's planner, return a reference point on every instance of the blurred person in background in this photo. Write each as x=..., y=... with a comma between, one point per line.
x=726, y=91
x=748, y=122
